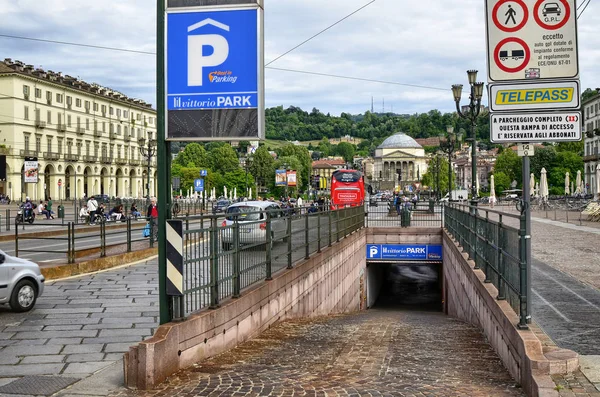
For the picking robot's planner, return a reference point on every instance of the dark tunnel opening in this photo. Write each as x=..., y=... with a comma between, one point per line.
x=406, y=286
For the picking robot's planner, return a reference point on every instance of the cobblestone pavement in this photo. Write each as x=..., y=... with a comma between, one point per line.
x=574, y=385
x=375, y=353
x=80, y=325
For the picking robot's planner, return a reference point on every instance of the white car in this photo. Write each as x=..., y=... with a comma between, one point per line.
x=21, y=282
x=252, y=219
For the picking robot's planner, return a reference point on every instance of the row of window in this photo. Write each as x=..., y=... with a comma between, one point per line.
x=591, y=110
x=87, y=105
x=591, y=148
x=106, y=150
x=98, y=126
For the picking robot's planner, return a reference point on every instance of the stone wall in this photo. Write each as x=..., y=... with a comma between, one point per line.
x=329, y=282
x=468, y=298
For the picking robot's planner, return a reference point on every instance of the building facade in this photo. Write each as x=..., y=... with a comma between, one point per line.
x=591, y=133
x=85, y=137
x=398, y=162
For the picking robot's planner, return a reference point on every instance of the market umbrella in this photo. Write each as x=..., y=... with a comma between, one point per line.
x=544, y=185
x=225, y=190
x=235, y=193
x=567, y=183
x=578, y=183
x=492, y=191
x=597, y=180
x=537, y=189
x=531, y=184
x=477, y=186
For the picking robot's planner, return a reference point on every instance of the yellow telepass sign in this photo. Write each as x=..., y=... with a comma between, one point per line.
x=535, y=96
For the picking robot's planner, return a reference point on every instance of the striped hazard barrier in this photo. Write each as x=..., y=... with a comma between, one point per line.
x=174, y=258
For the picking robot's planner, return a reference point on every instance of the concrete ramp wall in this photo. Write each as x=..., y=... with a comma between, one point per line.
x=468, y=298
x=329, y=282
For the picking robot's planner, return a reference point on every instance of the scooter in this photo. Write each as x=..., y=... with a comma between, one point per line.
x=21, y=218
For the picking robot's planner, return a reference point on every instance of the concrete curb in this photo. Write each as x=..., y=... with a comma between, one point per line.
x=94, y=265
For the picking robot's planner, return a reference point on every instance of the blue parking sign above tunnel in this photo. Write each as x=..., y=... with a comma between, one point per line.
x=212, y=59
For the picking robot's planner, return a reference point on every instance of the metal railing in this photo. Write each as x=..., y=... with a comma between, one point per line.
x=223, y=256
x=424, y=214
x=496, y=249
x=86, y=241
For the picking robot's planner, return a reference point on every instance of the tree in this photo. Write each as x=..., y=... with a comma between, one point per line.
x=302, y=155
x=575, y=147
x=262, y=166
x=430, y=177
x=223, y=159
x=193, y=155
x=501, y=182
x=509, y=163
x=346, y=150
x=237, y=179
x=543, y=158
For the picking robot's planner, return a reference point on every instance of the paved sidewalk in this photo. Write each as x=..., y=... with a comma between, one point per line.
x=375, y=353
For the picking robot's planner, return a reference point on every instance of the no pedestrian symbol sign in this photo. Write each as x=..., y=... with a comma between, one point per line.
x=535, y=39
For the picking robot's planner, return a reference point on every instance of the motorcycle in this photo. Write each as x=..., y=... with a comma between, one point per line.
x=21, y=218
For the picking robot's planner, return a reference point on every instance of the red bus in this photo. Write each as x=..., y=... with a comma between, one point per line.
x=347, y=189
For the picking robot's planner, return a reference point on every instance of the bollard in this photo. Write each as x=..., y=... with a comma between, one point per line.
x=128, y=234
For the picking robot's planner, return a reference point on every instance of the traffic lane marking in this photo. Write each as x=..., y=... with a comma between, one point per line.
x=551, y=306
x=549, y=277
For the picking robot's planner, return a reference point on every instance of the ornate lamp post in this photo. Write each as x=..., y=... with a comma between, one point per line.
x=449, y=145
x=471, y=115
x=147, y=152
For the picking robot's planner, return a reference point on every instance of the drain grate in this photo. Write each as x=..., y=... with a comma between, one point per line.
x=38, y=385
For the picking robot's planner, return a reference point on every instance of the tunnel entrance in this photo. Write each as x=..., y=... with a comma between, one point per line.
x=405, y=286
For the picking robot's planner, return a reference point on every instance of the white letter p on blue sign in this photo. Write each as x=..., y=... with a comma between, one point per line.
x=196, y=43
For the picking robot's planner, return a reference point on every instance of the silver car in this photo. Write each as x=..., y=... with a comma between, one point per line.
x=21, y=282
x=251, y=217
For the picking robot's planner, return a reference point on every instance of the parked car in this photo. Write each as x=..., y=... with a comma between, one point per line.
x=251, y=217
x=221, y=206
x=21, y=282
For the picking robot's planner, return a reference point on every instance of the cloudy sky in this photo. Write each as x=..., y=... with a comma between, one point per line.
x=429, y=43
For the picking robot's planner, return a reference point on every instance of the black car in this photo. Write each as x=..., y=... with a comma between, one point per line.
x=221, y=206
x=102, y=198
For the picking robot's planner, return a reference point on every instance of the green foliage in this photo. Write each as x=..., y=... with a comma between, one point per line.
x=194, y=155
x=509, y=163
x=587, y=94
x=575, y=147
x=294, y=123
x=501, y=182
x=565, y=161
x=346, y=150
x=430, y=177
x=237, y=179
x=543, y=158
x=223, y=159
x=262, y=166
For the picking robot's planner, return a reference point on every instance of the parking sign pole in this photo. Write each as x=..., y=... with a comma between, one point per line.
x=163, y=164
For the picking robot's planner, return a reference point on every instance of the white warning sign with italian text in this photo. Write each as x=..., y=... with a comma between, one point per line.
x=535, y=127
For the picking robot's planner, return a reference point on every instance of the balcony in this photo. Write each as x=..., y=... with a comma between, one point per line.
x=40, y=124
x=97, y=132
x=51, y=156
x=90, y=159
x=121, y=161
x=135, y=162
x=126, y=137
x=80, y=130
x=5, y=151
x=28, y=153
x=106, y=160
x=71, y=157
x=591, y=157
x=113, y=135
x=61, y=127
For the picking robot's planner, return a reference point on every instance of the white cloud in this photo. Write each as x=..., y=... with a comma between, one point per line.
x=425, y=42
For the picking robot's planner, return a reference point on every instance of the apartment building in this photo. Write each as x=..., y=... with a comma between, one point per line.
x=85, y=137
x=591, y=133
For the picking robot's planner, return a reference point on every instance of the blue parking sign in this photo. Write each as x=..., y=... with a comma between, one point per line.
x=203, y=173
x=199, y=185
x=212, y=59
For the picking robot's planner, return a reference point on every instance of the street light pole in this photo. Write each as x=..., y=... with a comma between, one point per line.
x=474, y=109
x=147, y=152
x=449, y=146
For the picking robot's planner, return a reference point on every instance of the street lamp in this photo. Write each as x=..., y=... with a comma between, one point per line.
x=449, y=145
x=471, y=115
x=147, y=152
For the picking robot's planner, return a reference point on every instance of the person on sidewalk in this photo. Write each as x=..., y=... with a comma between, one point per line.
x=42, y=210
x=134, y=211
x=84, y=214
x=49, y=207
x=92, y=206
x=152, y=212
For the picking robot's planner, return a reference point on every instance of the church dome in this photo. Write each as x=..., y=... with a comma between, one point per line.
x=398, y=141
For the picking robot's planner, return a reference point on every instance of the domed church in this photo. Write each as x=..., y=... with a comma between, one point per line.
x=399, y=161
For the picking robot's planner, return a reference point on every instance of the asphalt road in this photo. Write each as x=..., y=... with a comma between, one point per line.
x=566, y=309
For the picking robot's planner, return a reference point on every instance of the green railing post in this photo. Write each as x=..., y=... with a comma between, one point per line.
x=474, y=240
x=500, y=259
x=16, y=240
x=306, y=241
x=330, y=228
x=236, y=259
x=214, y=264
x=318, y=232
x=102, y=238
x=269, y=255
x=128, y=234
x=522, y=271
x=289, y=241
